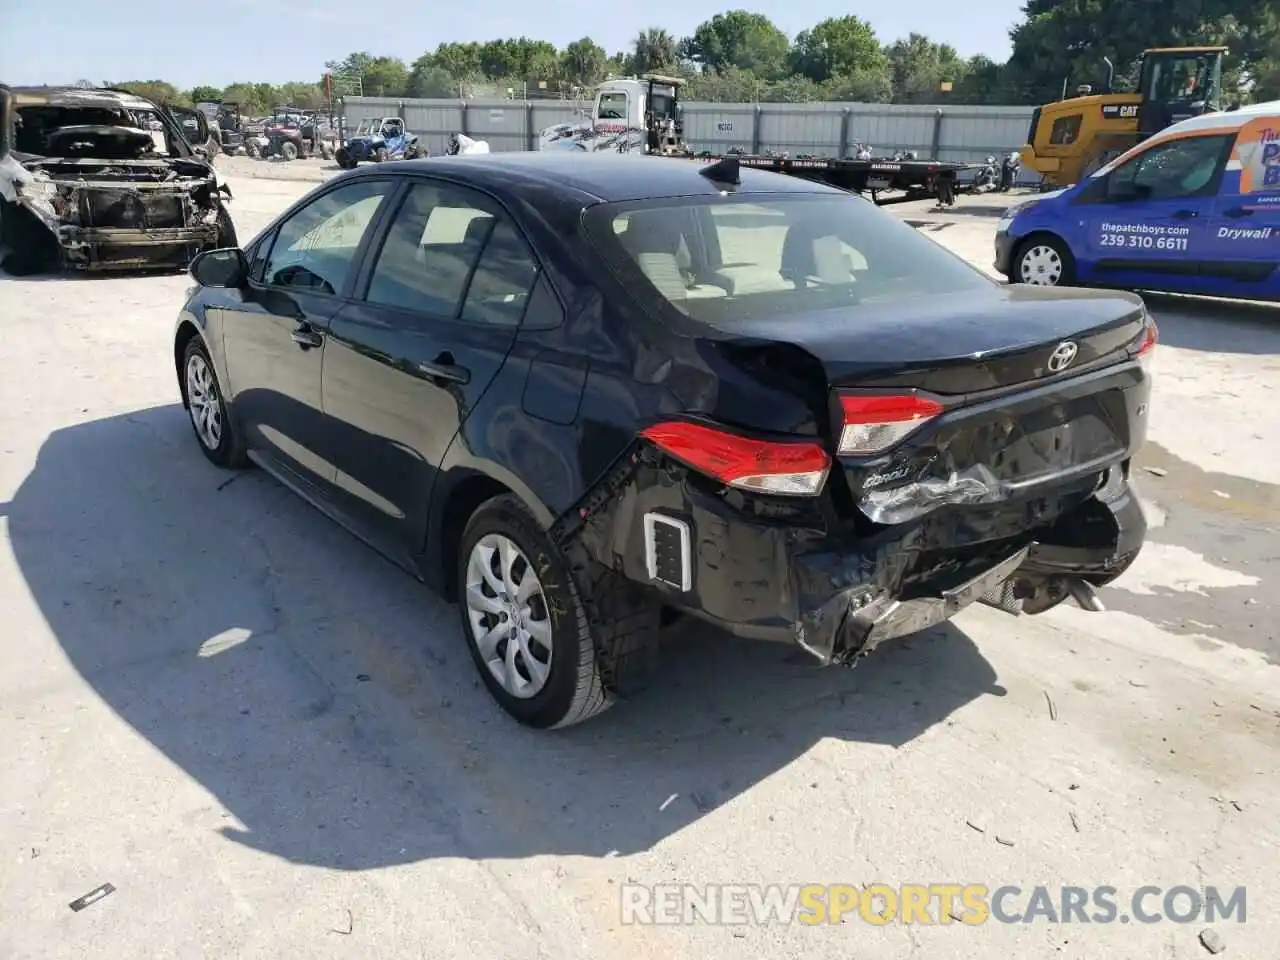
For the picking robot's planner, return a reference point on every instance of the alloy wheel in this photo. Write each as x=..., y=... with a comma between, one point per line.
x=507, y=610
x=203, y=402
x=1040, y=265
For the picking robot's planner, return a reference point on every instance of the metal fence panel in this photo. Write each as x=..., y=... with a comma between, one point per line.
x=803, y=128
x=944, y=131
x=720, y=127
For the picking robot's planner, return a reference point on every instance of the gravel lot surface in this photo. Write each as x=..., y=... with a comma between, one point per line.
x=272, y=744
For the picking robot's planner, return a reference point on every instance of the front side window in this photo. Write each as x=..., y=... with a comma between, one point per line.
x=613, y=106
x=731, y=259
x=1176, y=170
x=446, y=245
x=315, y=248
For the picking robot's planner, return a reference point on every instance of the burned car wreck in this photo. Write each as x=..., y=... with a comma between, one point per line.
x=96, y=179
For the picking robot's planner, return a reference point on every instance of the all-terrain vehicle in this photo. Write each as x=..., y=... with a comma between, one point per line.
x=294, y=134
x=223, y=117
x=379, y=139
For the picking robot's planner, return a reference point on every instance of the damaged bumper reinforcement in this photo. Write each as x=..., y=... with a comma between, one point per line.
x=801, y=575
x=126, y=219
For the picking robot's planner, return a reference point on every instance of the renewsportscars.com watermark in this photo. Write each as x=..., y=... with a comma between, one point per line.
x=970, y=904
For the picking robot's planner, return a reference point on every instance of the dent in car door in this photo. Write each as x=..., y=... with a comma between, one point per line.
x=1148, y=227
x=274, y=331
x=407, y=364
x=1244, y=246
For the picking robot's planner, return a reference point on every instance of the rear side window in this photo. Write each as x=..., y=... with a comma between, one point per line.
x=737, y=258
x=504, y=276
x=430, y=250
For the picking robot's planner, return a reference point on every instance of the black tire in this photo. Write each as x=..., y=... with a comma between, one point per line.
x=343, y=159
x=1026, y=249
x=226, y=229
x=592, y=637
x=289, y=150
x=252, y=150
x=32, y=248
x=574, y=690
x=229, y=452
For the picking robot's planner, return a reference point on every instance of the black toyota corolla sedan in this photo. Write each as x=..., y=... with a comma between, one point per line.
x=578, y=394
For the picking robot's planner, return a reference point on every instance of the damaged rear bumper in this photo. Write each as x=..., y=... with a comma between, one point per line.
x=839, y=596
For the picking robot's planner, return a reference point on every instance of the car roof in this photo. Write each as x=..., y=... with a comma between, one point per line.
x=78, y=97
x=609, y=177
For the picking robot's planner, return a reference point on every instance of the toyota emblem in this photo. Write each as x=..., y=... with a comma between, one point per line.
x=1062, y=356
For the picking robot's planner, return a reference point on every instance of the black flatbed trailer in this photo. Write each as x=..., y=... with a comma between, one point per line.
x=916, y=179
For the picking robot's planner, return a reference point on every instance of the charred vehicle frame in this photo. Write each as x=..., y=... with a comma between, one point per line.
x=99, y=179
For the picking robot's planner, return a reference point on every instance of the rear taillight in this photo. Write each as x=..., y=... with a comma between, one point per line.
x=875, y=422
x=1147, y=343
x=790, y=468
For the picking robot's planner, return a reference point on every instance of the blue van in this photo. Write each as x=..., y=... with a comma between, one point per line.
x=1193, y=209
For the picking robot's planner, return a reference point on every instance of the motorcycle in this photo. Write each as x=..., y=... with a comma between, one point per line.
x=987, y=178
x=1009, y=169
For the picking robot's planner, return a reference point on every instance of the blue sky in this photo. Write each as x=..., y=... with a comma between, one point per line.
x=274, y=41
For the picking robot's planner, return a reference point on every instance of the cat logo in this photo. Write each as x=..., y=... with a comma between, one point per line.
x=1120, y=111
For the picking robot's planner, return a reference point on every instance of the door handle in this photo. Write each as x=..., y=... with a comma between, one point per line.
x=305, y=337
x=1186, y=215
x=1236, y=212
x=443, y=368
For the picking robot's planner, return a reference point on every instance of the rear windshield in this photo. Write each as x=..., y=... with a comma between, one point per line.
x=727, y=259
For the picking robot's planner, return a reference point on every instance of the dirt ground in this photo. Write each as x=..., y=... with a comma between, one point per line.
x=272, y=744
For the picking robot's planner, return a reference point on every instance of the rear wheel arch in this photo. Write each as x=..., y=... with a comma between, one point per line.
x=465, y=494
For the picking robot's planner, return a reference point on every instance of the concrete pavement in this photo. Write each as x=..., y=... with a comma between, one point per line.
x=272, y=743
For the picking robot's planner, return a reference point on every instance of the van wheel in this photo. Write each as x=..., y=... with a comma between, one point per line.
x=1044, y=261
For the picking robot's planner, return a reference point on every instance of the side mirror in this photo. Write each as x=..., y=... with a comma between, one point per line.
x=225, y=267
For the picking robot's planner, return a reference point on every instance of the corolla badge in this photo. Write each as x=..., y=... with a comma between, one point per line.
x=1064, y=354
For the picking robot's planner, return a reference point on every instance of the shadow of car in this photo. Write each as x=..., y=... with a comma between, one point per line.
x=329, y=703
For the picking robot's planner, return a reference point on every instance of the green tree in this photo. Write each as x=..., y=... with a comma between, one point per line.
x=157, y=91
x=747, y=41
x=248, y=96
x=919, y=67
x=380, y=76
x=584, y=62
x=654, y=51
x=1066, y=40
x=836, y=47
x=429, y=80
x=861, y=86
x=461, y=61
x=204, y=94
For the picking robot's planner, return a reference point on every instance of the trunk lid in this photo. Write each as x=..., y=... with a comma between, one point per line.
x=951, y=348
x=1018, y=395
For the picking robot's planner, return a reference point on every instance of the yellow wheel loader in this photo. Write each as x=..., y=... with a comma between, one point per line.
x=1073, y=137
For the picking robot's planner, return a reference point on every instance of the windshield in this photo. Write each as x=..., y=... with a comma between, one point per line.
x=730, y=259
x=1181, y=78
x=368, y=127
